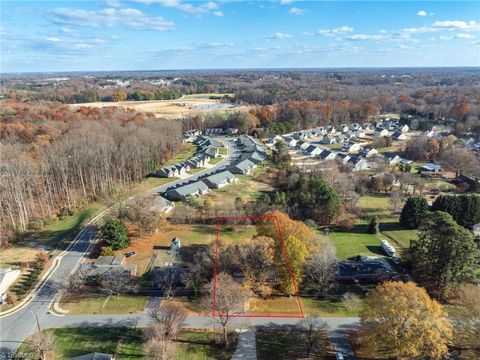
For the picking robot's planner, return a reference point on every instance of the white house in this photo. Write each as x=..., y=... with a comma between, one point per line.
x=369, y=152
x=327, y=155
x=381, y=132
x=344, y=128
x=351, y=147
x=7, y=278
x=331, y=130
x=399, y=136
x=358, y=163
x=291, y=143
x=175, y=245
x=313, y=150
x=404, y=128
x=342, y=158
x=328, y=140
x=392, y=159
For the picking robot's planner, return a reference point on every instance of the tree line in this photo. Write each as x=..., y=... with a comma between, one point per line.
x=55, y=160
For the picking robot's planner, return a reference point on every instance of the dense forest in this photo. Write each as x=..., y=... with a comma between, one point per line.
x=54, y=160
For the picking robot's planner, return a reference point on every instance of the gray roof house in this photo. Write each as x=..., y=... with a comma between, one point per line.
x=212, y=151
x=291, y=143
x=344, y=128
x=328, y=140
x=162, y=204
x=219, y=180
x=327, y=155
x=369, y=151
x=302, y=145
x=397, y=135
x=380, y=132
x=256, y=157
x=108, y=265
x=170, y=171
x=243, y=167
x=392, y=158
x=313, y=150
x=196, y=188
x=358, y=163
x=342, y=158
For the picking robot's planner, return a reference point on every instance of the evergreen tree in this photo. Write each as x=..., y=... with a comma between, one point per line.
x=445, y=253
x=413, y=212
x=465, y=209
x=115, y=234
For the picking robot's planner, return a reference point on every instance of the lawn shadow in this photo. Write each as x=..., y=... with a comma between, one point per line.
x=376, y=250
x=391, y=226
x=187, y=252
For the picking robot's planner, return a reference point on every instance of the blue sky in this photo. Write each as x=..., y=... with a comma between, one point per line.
x=172, y=34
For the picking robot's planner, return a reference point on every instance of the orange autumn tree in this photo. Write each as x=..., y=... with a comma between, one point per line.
x=299, y=241
x=401, y=321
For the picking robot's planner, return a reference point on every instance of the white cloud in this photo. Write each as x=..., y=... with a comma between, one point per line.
x=465, y=36
x=218, y=13
x=297, y=11
x=278, y=36
x=337, y=31
x=83, y=46
x=131, y=18
x=366, y=37
x=53, y=39
x=457, y=25
x=286, y=2
x=422, y=13
x=183, y=6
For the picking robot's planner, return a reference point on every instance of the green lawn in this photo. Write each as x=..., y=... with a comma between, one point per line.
x=223, y=151
x=152, y=182
x=187, y=150
x=191, y=345
x=311, y=306
x=61, y=232
x=277, y=344
x=123, y=304
x=216, y=160
x=402, y=236
x=359, y=242
x=374, y=205
x=126, y=343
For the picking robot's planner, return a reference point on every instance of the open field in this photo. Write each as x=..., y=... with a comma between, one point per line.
x=187, y=150
x=122, y=304
x=188, y=105
x=126, y=343
x=349, y=244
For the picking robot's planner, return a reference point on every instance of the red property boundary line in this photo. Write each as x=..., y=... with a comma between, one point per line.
x=287, y=258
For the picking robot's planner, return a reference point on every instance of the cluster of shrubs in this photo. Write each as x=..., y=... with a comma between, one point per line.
x=24, y=286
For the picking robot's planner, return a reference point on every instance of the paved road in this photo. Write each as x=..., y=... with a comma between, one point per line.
x=247, y=346
x=14, y=328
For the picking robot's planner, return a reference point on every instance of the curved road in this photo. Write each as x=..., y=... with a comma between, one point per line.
x=18, y=325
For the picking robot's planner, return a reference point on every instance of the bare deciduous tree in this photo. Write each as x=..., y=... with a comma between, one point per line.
x=311, y=331
x=41, y=343
x=226, y=297
x=116, y=283
x=320, y=268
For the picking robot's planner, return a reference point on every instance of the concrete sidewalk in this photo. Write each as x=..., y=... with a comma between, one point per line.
x=247, y=347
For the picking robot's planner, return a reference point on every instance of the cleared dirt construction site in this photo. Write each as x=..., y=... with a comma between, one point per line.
x=293, y=307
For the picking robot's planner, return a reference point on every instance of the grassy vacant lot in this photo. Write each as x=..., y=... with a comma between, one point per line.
x=276, y=344
x=311, y=306
x=98, y=304
x=126, y=343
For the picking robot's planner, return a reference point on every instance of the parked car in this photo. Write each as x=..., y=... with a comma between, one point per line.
x=130, y=254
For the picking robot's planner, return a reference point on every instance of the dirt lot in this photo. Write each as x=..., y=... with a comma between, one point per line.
x=174, y=109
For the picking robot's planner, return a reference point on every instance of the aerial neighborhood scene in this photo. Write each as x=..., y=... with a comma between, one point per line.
x=278, y=179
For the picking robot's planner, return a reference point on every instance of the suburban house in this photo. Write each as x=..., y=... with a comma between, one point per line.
x=344, y=128
x=342, y=158
x=355, y=127
x=431, y=167
x=369, y=151
x=341, y=138
x=219, y=180
x=319, y=131
x=358, y=163
x=168, y=172
x=326, y=155
x=94, y=356
x=363, y=269
x=162, y=204
x=367, y=126
x=301, y=134
x=351, y=147
x=331, y=130
x=359, y=133
x=199, y=160
x=291, y=143
x=397, y=135
x=313, y=150
x=108, y=266
x=380, y=132
x=392, y=158
x=272, y=140
x=302, y=145
x=7, y=278
x=255, y=157
x=243, y=167
x=211, y=151
x=404, y=128
x=328, y=140
x=196, y=188
x=350, y=135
